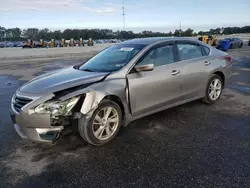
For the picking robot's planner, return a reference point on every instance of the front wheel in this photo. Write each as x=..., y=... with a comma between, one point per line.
x=214, y=89
x=104, y=124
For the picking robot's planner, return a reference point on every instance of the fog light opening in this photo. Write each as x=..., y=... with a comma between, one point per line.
x=49, y=134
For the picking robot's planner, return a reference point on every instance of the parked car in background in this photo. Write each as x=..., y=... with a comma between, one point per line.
x=230, y=43
x=57, y=43
x=85, y=41
x=9, y=44
x=15, y=44
x=76, y=42
x=20, y=44
x=2, y=45
x=99, y=41
x=122, y=83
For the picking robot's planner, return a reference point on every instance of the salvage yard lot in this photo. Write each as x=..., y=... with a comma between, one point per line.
x=34, y=53
x=193, y=145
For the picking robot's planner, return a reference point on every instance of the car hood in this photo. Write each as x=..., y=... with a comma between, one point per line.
x=60, y=80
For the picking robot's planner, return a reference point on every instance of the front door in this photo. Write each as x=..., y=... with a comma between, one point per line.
x=149, y=91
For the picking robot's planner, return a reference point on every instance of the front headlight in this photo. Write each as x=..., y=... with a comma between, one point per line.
x=57, y=108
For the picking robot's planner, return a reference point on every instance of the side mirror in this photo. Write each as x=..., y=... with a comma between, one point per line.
x=141, y=68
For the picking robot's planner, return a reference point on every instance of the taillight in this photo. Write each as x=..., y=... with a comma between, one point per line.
x=228, y=58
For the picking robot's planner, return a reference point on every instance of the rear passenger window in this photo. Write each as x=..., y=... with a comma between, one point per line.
x=206, y=50
x=189, y=51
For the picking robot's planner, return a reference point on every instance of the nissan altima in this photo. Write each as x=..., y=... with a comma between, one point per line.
x=120, y=84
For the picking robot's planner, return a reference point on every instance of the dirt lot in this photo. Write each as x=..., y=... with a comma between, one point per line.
x=193, y=145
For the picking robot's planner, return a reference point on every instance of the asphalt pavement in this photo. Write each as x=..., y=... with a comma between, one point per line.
x=192, y=145
x=7, y=54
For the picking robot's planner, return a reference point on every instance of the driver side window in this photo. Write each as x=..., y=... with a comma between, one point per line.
x=159, y=56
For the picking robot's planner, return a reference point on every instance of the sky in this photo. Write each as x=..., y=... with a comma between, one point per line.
x=155, y=15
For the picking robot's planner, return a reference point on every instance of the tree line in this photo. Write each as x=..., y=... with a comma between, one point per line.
x=17, y=34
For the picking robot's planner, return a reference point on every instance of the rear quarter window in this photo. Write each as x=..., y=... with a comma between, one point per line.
x=206, y=50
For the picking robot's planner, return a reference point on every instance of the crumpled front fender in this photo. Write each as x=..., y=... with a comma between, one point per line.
x=95, y=93
x=91, y=101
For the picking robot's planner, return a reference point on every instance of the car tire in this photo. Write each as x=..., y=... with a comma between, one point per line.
x=241, y=44
x=208, y=99
x=88, y=130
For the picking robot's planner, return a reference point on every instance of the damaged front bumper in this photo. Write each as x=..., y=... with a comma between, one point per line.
x=43, y=127
x=41, y=134
x=29, y=125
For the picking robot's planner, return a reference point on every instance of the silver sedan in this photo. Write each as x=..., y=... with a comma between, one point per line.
x=122, y=83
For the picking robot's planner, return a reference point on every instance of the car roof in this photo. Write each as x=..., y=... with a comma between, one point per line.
x=152, y=40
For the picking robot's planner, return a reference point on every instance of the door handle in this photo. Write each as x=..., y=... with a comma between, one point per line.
x=175, y=72
x=207, y=63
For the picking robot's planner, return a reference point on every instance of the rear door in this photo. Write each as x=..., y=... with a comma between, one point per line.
x=194, y=68
x=152, y=90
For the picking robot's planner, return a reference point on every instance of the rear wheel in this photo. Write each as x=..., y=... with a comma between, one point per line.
x=241, y=44
x=214, y=89
x=104, y=124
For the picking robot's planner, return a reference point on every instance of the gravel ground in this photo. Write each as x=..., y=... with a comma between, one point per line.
x=193, y=145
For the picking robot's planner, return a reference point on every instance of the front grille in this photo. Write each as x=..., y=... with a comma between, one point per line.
x=19, y=102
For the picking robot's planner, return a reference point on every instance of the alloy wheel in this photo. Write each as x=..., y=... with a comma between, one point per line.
x=215, y=89
x=105, y=123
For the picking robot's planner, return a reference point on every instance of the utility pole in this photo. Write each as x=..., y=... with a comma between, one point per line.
x=123, y=14
x=180, y=28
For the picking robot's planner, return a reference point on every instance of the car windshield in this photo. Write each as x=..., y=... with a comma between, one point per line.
x=229, y=39
x=112, y=58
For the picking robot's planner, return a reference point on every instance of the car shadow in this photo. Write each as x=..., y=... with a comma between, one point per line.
x=70, y=141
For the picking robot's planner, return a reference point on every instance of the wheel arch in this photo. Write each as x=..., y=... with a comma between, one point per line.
x=221, y=74
x=117, y=100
